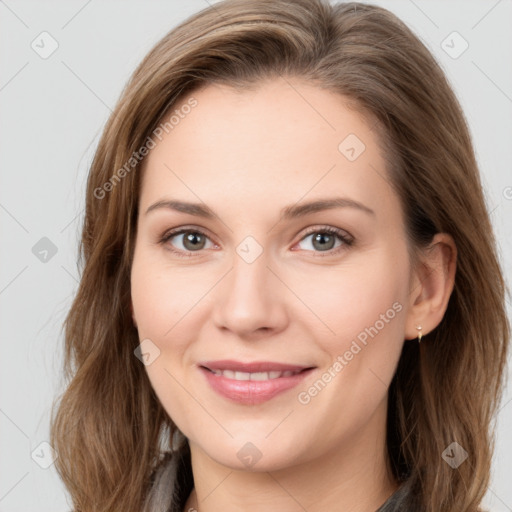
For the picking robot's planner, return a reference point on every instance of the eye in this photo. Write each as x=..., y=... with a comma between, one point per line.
x=324, y=239
x=191, y=240
x=194, y=240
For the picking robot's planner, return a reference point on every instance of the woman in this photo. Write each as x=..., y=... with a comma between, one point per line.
x=291, y=298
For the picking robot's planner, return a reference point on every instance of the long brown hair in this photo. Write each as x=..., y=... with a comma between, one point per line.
x=109, y=428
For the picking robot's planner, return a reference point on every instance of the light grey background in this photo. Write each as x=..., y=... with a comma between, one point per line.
x=52, y=113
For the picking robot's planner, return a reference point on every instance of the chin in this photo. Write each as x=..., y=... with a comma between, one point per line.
x=253, y=453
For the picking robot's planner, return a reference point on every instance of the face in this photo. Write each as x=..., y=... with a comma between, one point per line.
x=266, y=279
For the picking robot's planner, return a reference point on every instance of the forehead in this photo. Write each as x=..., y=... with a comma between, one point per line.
x=283, y=139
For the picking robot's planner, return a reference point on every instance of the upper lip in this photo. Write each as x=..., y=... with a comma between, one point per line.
x=255, y=366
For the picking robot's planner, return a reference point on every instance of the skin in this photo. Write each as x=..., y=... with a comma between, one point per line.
x=247, y=155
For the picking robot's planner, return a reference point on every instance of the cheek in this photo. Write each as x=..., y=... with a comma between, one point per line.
x=363, y=305
x=162, y=295
x=362, y=309
x=351, y=299
x=171, y=305
x=162, y=300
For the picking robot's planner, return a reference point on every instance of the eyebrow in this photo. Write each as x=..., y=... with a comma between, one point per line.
x=287, y=213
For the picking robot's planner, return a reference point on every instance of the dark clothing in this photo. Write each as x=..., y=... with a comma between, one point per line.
x=402, y=500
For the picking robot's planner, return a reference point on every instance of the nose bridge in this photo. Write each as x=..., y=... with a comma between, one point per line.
x=249, y=298
x=250, y=277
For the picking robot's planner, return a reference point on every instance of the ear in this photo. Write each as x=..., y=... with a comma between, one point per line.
x=431, y=286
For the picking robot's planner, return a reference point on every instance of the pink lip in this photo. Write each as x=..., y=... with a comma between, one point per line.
x=257, y=366
x=252, y=392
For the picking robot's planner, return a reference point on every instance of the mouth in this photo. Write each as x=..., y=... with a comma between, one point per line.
x=230, y=374
x=252, y=383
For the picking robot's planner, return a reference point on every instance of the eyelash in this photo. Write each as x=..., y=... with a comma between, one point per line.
x=347, y=241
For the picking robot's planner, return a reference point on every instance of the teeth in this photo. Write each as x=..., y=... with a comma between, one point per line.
x=230, y=374
x=259, y=376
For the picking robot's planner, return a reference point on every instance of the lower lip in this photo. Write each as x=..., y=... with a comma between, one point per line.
x=252, y=392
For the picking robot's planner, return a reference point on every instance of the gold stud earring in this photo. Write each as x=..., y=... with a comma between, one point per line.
x=419, y=333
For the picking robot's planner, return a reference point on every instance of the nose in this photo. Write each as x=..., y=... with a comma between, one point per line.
x=250, y=300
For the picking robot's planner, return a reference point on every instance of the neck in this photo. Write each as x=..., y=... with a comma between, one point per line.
x=353, y=476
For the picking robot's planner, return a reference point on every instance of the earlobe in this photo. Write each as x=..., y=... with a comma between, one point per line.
x=434, y=282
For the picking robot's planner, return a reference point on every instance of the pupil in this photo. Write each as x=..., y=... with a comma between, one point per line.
x=191, y=238
x=320, y=237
